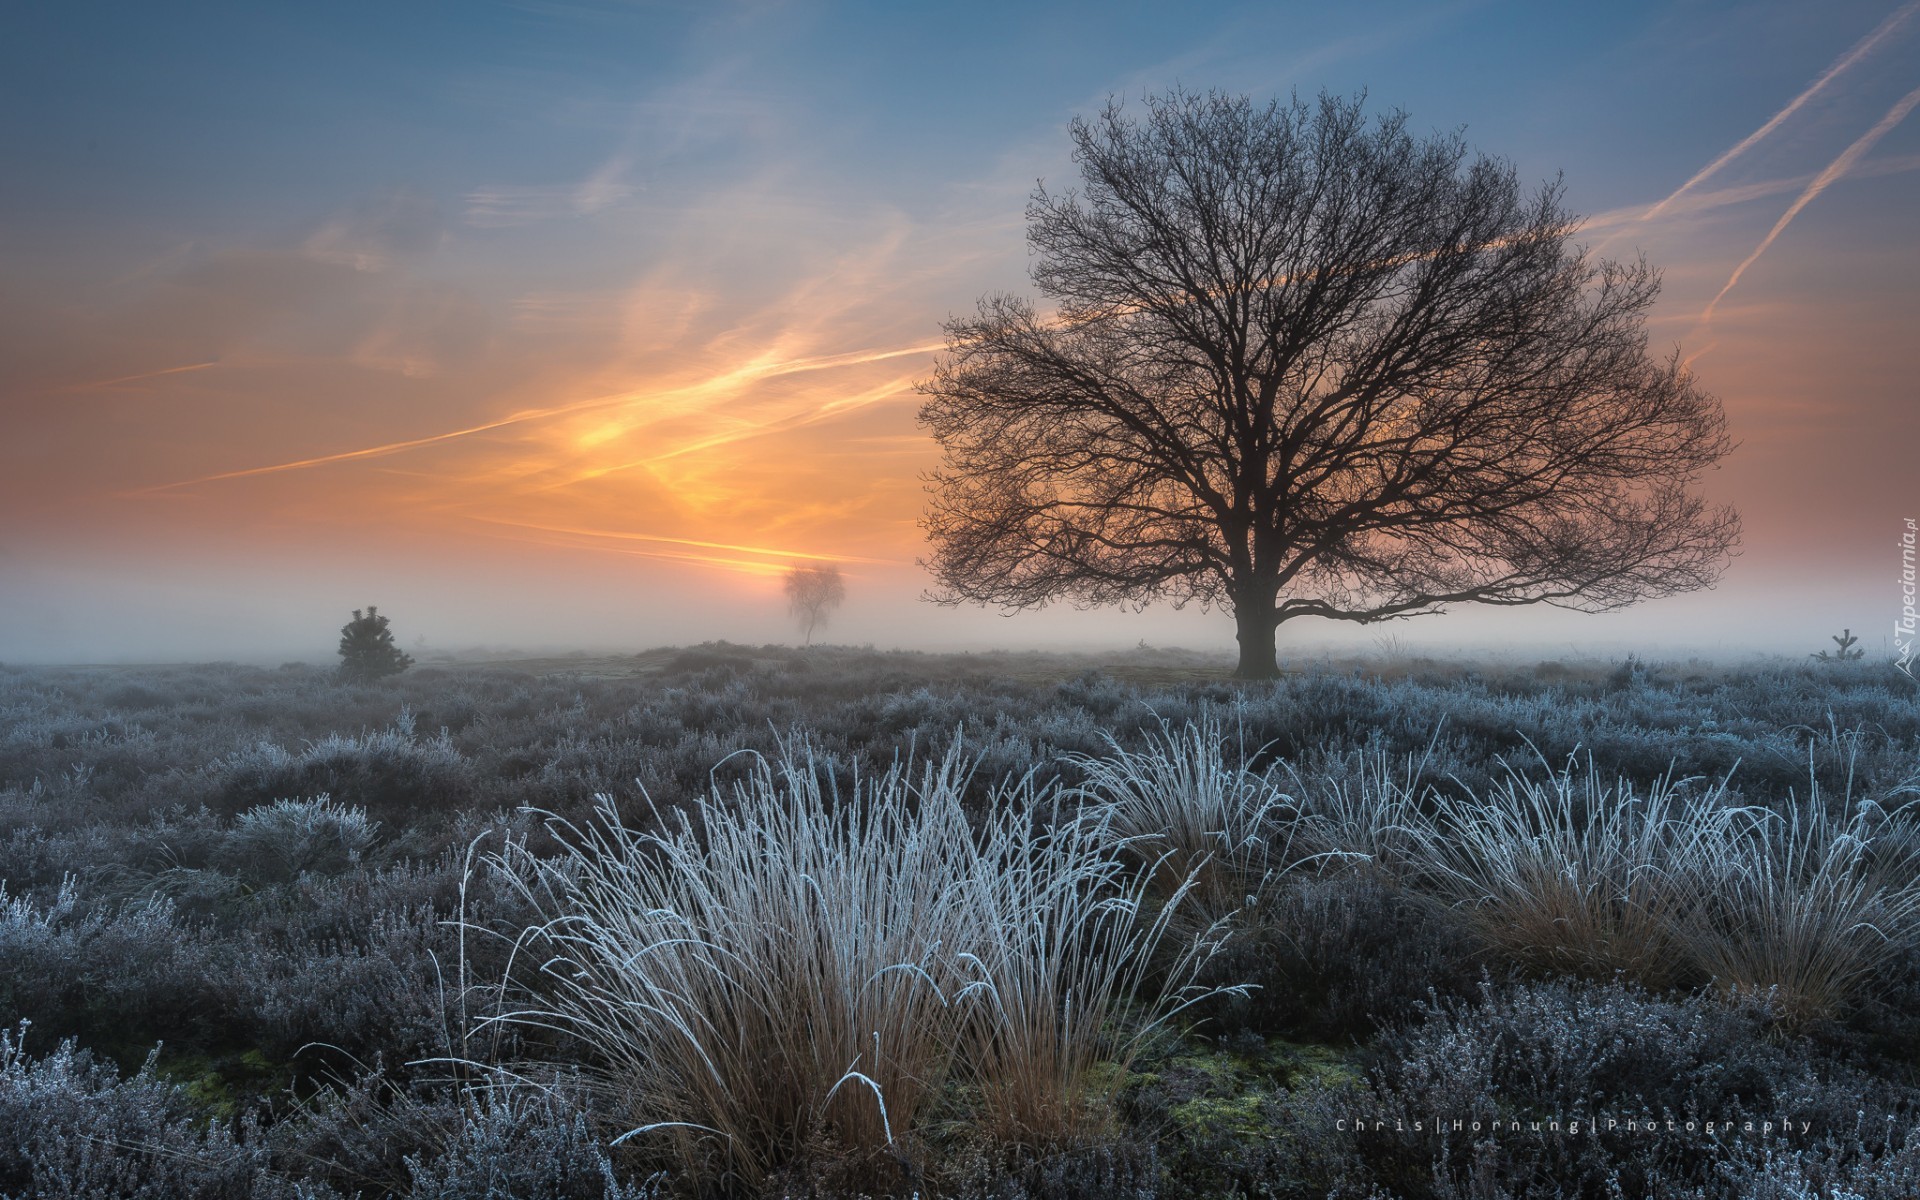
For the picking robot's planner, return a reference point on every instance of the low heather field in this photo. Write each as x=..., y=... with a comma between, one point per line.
x=733, y=922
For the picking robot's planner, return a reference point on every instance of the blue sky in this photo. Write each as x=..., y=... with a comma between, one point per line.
x=639, y=291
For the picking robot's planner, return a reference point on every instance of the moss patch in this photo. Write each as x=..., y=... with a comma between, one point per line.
x=227, y=1084
x=1242, y=1121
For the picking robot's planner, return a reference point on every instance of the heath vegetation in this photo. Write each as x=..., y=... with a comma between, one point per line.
x=751, y=922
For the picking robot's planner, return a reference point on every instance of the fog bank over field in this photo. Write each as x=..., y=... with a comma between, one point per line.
x=254, y=614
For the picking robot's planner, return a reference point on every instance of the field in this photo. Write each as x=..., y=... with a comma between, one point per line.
x=743, y=922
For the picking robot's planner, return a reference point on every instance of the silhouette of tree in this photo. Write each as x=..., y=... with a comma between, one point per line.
x=367, y=651
x=1847, y=652
x=814, y=591
x=1308, y=365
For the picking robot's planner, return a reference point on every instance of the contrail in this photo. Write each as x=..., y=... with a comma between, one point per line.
x=623, y=535
x=832, y=408
x=740, y=565
x=1835, y=170
x=1859, y=51
x=350, y=455
x=750, y=373
x=100, y=383
x=1615, y=219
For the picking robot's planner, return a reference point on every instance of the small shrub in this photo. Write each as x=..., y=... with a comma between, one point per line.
x=367, y=652
x=76, y=1130
x=278, y=842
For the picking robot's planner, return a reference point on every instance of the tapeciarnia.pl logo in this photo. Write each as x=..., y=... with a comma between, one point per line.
x=1903, y=629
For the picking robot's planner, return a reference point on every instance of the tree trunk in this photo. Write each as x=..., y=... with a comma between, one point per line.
x=1257, y=625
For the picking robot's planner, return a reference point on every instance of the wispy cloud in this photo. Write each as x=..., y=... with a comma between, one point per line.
x=1835, y=169
x=810, y=416
x=728, y=382
x=377, y=232
x=497, y=206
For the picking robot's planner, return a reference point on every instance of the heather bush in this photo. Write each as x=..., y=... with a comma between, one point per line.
x=1337, y=955
x=391, y=775
x=225, y=862
x=1631, y=1068
x=1877, y=1161
x=119, y=977
x=279, y=842
x=76, y=1130
x=522, y=1143
x=383, y=992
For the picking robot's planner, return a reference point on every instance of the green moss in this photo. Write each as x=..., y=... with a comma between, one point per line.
x=226, y=1084
x=1243, y=1117
x=1226, y=1117
x=1299, y=1064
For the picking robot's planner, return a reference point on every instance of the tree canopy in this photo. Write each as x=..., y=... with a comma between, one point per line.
x=1303, y=363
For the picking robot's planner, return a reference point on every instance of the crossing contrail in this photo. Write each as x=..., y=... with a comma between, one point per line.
x=1860, y=50
x=1835, y=170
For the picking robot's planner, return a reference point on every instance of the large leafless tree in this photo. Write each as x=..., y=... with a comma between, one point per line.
x=1305, y=364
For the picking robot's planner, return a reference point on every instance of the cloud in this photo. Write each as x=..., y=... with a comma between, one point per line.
x=502, y=206
x=378, y=232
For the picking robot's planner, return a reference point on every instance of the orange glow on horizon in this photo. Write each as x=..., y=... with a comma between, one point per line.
x=662, y=471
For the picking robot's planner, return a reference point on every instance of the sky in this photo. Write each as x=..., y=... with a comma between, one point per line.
x=576, y=323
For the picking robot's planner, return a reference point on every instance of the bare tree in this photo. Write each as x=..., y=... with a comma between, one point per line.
x=814, y=591
x=1305, y=364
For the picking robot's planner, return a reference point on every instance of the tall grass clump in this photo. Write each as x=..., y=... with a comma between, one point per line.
x=1360, y=809
x=789, y=972
x=1812, y=906
x=1067, y=975
x=1574, y=874
x=1183, y=801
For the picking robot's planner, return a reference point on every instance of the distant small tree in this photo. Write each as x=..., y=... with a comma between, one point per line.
x=367, y=651
x=813, y=591
x=1847, y=653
